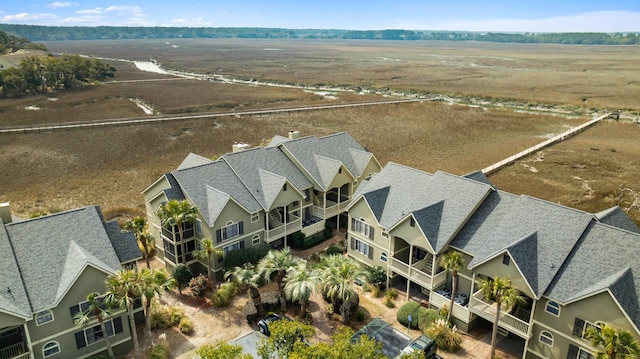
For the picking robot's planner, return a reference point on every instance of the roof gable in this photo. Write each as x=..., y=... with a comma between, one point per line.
x=13, y=295
x=271, y=185
x=193, y=160
x=327, y=169
x=615, y=216
x=377, y=200
x=525, y=256
x=429, y=219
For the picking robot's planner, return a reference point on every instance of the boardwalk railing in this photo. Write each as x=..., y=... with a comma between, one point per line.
x=542, y=145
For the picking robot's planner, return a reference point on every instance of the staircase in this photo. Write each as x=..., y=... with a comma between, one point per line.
x=275, y=219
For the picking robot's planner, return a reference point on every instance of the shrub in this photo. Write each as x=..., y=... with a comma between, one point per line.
x=223, y=296
x=160, y=317
x=408, y=309
x=312, y=241
x=333, y=249
x=359, y=315
x=378, y=276
x=182, y=274
x=391, y=293
x=445, y=337
x=389, y=302
x=427, y=317
x=296, y=239
x=161, y=350
x=251, y=255
x=200, y=285
x=328, y=230
x=185, y=326
x=375, y=290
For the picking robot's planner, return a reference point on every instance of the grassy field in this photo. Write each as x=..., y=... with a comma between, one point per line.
x=111, y=166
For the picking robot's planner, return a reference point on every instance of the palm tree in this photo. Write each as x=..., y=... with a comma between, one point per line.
x=138, y=226
x=500, y=291
x=152, y=283
x=247, y=275
x=616, y=343
x=337, y=283
x=100, y=310
x=123, y=288
x=452, y=262
x=205, y=254
x=278, y=262
x=177, y=213
x=300, y=283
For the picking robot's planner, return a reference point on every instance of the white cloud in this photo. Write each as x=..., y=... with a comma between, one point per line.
x=24, y=17
x=58, y=4
x=599, y=21
x=95, y=11
x=190, y=22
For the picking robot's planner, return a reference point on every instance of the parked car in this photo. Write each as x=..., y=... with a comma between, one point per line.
x=263, y=324
x=424, y=344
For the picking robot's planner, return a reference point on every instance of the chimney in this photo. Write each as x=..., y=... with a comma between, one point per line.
x=239, y=147
x=294, y=134
x=5, y=212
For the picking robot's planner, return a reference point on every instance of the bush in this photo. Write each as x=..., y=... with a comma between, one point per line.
x=333, y=249
x=182, y=274
x=375, y=290
x=409, y=308
x=296, y=239
x=312, y=241
x=389, y=302
x=445, y=337
x=185, y=326
x=359, y=315
x=200, y=285
x=427, y=317
x=161, y=350
x=391, y=293
x=163, y=316
x=378, y=276
x=251, y=255
x=328, y=231
x=223, y=296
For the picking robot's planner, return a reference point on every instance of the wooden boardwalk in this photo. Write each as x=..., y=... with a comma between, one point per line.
x=494, y=167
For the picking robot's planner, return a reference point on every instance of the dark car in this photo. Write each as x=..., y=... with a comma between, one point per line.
x=263, y=324
x=424, y=344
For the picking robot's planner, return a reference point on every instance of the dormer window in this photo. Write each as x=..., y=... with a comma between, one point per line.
x=340, y=170
x=284, y=188
x=506, y=259
x=412, y=222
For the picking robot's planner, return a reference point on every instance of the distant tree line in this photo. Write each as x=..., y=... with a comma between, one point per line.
x=55, y=33
x=12, y=43
x=41, y=74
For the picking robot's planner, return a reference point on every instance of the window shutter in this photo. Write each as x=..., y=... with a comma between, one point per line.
x=241, y=227
x=74, y=310
x=219, y=235
x=371, y=232
x=353, y=243
x=573, y=352
x=117, y=325
x=578, y=327
x=353, y=223
x=80, y=341
x=370, y=250
x=241, y=243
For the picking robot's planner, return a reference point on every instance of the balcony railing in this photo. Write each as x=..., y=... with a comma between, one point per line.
x=343, y=205
x=459, y=311
x=294, y=224
x=507, y=321
x=14, y=351
x=417, y=274
x=187, y=233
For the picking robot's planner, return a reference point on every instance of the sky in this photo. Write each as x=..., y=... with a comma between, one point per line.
x=454, y=15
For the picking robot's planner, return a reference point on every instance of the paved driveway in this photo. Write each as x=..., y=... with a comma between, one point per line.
x=249, y=342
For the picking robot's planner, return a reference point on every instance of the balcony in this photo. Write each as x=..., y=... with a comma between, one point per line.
x=15, y=351
x=486, y=310
x=459, y=311
x=167, y=233
x=294, y=224
x=327, y=209
x=418, y=273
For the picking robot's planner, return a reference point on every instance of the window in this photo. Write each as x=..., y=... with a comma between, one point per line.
x=43, y=317
x=255, y=217
x=368, y=177
x=340, y=169
x=233, y=247
x=198, y=226
x=50, y=349
x=580, y=327
x=94, y=334
x=255, y=240
x=383, y=257
x=546, y=338
x=83, y=307
x=412, y=222
x=577, y=353
x=232, y=230
x=284, y=188
x=552, y=308
x=361, y=247
x=359, y=225
x=385, y=234
x=505, y=259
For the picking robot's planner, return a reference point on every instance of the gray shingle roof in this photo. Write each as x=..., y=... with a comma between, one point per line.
x=124, y=243
x=615, y=216
x=557, y=229
x=605, y=257
x=263, y=172
x=193, y=160
x=13, y=296
x=174, y=192
x=440, y=203
x=338, y=147
x=51, y=251
x=208, y=185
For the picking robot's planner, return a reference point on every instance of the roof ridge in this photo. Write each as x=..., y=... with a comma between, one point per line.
x=51, y=215
x=15, y=260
